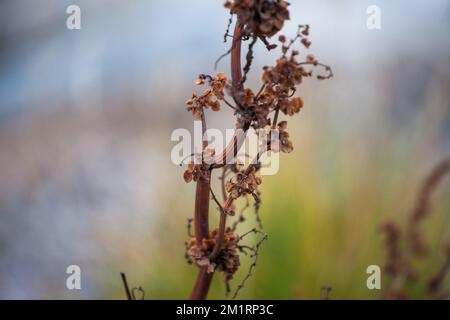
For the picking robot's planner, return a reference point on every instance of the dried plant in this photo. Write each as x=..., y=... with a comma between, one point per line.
x=403, y=248
x=218, y=250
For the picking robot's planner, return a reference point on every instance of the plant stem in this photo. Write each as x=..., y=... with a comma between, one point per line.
x=201, y=225
x=202, y=194
x=202, y=284
x=222, y=227
x=236, y=70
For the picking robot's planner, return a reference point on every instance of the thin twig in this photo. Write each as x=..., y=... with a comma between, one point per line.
x=275, y=118
x=241, y=217
x=222, y=183
x=229, y=104
x=260, y=91
x=125, y=286
x=254, y=230
x=252, y=266
x=221, y=208
x=227, y=31
x=220, y=58
x=187, y=257
x=222, y=226
x=249, y=59
x=257, y=205
x=189, y=227
x=326, y=67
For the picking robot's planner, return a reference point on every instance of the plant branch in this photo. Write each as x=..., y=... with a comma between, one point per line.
x=125, y=286
x=202, y=196
x=222, y=227
x=255, y=260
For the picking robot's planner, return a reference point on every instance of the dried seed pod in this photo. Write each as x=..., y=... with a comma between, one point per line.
x=211, y=97
x=227, y=259
x=262, y=18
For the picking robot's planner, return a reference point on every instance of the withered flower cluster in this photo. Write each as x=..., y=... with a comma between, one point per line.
x=228, y=258
x=260, y=17
x=210, y=98
x=279, y=84
x=284, y=145
x=194, y=172
x=246, y=183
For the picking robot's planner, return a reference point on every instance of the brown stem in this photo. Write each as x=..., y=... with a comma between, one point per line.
x=201, y=221
x=236, y=70
x=201, y=225
x=275, y=118
x=237, y=88
x=222, y=183
x=231, y=150
x=222, y=227
x=202, y=194
x=125, y=286
x=202, y=284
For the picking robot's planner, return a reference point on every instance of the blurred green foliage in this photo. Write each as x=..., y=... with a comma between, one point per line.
x=322, y=215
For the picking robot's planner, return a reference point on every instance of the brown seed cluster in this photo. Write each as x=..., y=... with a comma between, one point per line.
x=284, y=145
x=282, y=79
x=199, y=170
x=279, y=83
x=210, y=98
x=247, y=182
x=194, y=172
x=260, y=17
x=285, y=75
x=228, y=258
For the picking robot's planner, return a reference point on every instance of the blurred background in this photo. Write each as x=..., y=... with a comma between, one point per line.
x=85, y=123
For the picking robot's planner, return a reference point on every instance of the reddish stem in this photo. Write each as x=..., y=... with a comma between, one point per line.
x=202, y=284
x=222, y=227
x=202, y=195
x=236, y=70
x=201, y=225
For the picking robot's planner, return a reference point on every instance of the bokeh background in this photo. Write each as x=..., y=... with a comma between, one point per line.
x=85, y=123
